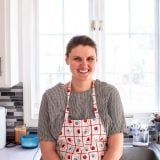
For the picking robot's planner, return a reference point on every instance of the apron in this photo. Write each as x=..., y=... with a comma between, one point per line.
x=84, y=139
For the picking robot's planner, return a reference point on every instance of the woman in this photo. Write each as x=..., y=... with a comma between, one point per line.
x=84, y=118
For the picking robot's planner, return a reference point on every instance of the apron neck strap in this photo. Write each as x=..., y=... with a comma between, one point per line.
x=69, y=88
x=93, y=96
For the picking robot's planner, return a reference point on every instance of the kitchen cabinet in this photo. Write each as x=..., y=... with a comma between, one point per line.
x=8, y=43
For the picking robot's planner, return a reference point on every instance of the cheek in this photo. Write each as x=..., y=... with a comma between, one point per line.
x=93, y=65
x=73, y=66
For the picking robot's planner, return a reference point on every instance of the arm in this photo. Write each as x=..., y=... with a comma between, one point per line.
x=115, y=147
x=116, y=127
x=47, y=140
x=48, y=150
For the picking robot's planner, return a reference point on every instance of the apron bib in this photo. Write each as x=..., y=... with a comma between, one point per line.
x=84, y=139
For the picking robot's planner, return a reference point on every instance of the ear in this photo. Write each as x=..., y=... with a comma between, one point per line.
x=67, y=60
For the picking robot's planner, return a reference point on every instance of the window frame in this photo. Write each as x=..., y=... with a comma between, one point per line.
x=29, y=46
x=157, y=52
x=29, y=51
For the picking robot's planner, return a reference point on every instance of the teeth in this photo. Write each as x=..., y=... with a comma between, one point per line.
x=83, y=71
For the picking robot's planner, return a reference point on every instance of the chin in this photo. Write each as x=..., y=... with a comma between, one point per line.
x=85, y=79
x=78, y=77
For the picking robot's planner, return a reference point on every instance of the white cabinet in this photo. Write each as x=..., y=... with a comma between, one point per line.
x=3, y=127
x=9, y=43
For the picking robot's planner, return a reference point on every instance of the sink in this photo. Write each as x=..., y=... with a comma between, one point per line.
x=138, y=153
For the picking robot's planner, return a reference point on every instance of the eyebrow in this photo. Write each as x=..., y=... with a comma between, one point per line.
x=86, y=57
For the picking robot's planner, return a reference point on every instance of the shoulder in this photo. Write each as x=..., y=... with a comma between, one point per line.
x=55, y=91
x=104, y=87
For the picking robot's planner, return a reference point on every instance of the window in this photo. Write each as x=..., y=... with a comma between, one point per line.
x=58, y=22
x=126, y=32
x=130, y=52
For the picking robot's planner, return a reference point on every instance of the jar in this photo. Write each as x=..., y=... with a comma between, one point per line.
x=20, y=130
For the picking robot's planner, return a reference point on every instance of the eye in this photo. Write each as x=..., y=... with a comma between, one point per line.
x=77, y=59
x=90, y=59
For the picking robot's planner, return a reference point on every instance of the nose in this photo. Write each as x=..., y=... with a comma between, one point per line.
x=84, y=63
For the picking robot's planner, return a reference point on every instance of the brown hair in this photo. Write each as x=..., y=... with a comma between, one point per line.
x=80, y=40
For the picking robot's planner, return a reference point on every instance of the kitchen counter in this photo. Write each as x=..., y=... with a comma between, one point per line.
x=19, y=153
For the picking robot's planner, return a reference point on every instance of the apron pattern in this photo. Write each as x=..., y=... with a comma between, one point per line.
x=84, y=139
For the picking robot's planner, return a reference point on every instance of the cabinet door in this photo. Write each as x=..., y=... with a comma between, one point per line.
x=2, y=41
x=8, y=43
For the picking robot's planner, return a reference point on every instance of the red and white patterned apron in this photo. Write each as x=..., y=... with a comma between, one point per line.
x=84, y=139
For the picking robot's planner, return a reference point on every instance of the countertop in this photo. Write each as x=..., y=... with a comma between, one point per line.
x=19, y=153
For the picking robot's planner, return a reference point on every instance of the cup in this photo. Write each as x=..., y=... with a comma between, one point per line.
x=141, y=138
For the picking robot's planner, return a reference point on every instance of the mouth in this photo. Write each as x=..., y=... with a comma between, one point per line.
x=83, y=71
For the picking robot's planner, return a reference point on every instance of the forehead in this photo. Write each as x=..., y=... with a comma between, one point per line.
x=81, y=50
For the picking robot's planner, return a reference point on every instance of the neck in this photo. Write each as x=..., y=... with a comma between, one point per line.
x=80, y=86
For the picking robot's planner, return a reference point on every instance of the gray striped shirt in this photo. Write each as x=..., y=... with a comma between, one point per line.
x=51, y=115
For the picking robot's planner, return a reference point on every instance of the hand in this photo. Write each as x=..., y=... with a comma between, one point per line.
x=48, y=150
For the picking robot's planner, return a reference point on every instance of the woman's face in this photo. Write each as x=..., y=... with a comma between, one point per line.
x=82, y=61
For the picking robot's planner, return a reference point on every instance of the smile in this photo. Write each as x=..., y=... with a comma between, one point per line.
x=83, y=71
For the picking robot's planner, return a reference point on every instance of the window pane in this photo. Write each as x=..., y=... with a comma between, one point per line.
x=130, y=65
x=117, y=55
x=130, y=53
x=76, y=16
x=142, y=16
x=51, y=53
x=50, y=16
x=142, y=52
x=143, y=72
x=116, y=16
x=143, y=94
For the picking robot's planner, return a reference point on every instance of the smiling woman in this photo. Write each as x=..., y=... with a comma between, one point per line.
x=73, y=127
